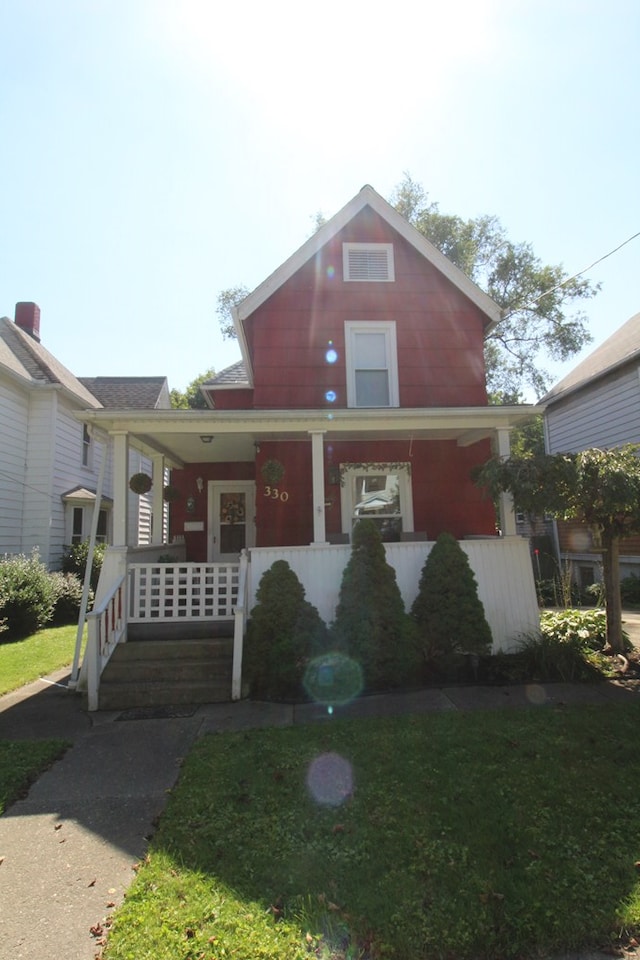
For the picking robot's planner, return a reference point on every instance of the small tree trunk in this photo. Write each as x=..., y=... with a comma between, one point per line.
x=611, y=574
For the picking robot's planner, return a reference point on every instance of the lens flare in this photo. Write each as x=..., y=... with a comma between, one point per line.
x=331, y=355
x=331, y=272
x=333, y=679
x=331, y=396
x=330, y=779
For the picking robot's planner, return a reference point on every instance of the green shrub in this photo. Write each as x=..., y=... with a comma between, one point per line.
x=74, y=560
x=371, y=625
x=68, y=592
x=630, y=589
x=29, y=594
x=447, y=611
x=284, y=632
x=587, y=628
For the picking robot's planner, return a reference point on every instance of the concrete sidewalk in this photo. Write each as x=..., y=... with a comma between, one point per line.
x=69, y=849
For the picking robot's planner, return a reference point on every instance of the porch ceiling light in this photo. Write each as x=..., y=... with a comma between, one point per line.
x=206, y=437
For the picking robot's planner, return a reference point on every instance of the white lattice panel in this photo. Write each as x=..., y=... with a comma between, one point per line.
x=186, y=591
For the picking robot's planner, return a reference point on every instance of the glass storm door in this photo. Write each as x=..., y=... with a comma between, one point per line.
x=231, y=519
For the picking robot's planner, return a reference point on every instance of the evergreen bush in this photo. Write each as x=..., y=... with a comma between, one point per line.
x=371, y=625
x=28, y=593
x=284, y=632
x=74, y=560
x=448, y=614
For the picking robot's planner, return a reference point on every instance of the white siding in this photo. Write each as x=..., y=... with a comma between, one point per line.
x=502, y=567
x=14, y=419
x=606, y=414
x=39, y=473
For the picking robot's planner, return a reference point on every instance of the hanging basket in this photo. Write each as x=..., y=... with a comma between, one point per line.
x=140, y=483
x=272, y=472
x=170, y=493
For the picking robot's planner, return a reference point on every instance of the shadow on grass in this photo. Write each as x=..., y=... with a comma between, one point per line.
x=480, y=835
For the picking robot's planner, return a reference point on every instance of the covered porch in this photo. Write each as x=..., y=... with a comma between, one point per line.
x=223, y=530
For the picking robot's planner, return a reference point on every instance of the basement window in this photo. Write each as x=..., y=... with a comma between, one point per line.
x=371, y=262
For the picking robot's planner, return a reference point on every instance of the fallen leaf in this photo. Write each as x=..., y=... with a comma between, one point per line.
x=92, y=883
x=57, y=826
x=97, y=930
x=1, y=860
x=111, y=903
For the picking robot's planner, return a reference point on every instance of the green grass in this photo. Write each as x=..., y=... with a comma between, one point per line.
x=22, y=661
x=488, y=835
x=21, y=762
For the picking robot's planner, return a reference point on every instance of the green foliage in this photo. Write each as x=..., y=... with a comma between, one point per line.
x=284, y=632
x=447, y=611
x=585, y=627
x=630, y=589
x=371, y=625
x=496, y=833
x=68, y=598
x=75, y=557
x=191, y=398
x=28, y=593
x=227, y=300
x=535, y=298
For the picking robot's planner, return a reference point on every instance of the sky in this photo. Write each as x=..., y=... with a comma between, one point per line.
x=156, y=152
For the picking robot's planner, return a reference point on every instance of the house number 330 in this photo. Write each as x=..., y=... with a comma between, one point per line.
x=274, y=494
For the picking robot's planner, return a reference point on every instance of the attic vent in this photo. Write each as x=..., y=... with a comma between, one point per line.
x=368, y=261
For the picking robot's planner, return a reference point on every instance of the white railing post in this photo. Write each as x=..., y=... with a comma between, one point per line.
x=238, y=628
x=92, y=657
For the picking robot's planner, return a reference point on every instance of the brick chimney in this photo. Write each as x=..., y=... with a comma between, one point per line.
x=28, y=319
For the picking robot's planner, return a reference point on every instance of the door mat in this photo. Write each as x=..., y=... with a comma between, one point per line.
x=158, y=713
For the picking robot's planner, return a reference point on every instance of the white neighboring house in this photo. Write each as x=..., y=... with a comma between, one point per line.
x=597, y=405
x=49, y=461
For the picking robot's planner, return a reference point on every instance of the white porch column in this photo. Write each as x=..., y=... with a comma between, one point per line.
x=120, y=488
x=157, y=505
x=317, y=473
x=505, y=502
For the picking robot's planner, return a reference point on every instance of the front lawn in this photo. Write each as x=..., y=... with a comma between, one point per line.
x=22, y=762
x=485, y=835
x=22, y=661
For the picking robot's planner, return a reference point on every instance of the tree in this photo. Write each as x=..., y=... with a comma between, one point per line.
x=192, y=398
x=599, y=487
x=227, y=299
x=535, y=298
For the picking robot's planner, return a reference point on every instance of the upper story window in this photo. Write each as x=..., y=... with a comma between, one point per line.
x=368, y=261
x=86, y=446
x=372, y=365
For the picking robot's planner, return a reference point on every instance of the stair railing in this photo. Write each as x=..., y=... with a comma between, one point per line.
x=106, y=626
x=239, y=625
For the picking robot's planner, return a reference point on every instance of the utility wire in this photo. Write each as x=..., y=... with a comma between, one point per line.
x=559, y=286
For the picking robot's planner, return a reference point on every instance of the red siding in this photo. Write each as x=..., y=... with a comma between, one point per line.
x=439, y=331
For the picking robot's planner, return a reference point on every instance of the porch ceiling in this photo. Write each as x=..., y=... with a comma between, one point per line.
x=177, y=433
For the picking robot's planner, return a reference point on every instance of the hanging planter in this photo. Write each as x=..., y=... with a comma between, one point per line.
x=272, y=472
x=140, y=483
x=170, y=493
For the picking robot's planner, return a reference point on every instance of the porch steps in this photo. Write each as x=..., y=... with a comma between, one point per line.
x=154, y=673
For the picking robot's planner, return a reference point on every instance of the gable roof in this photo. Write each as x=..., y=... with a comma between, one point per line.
x=620, y=348
x=129, y=393
x=367, y=197
x=28, y=360
x=233, y=376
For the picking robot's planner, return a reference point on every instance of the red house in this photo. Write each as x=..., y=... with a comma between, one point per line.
x=361, y=392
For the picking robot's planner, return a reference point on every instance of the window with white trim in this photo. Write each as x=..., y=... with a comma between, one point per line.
x=86, y=446
x=370, y=262
x=380, y=492
x=372, y=364
x=79, y=524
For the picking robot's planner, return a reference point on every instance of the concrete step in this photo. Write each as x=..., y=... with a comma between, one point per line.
x=145, y=673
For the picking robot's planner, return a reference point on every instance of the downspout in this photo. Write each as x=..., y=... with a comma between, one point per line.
x=75, y=669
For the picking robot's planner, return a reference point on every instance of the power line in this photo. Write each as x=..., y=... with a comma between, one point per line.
x=575, y=276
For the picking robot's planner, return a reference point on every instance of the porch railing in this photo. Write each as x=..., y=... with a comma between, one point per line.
x=164, y=592
x=106, y=627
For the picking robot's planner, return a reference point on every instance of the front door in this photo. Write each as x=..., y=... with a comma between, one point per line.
x=231, y=525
